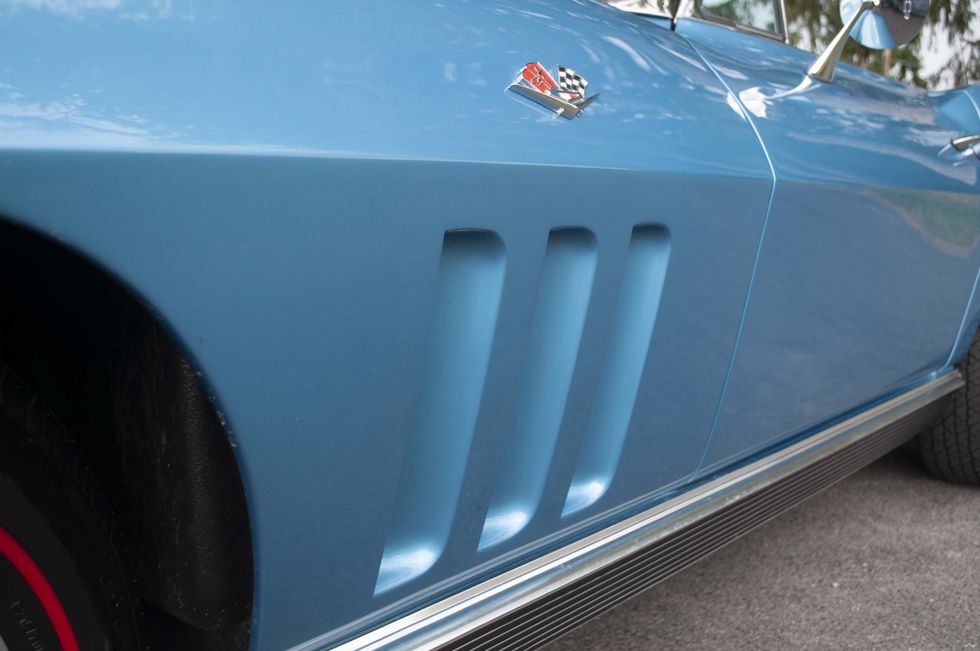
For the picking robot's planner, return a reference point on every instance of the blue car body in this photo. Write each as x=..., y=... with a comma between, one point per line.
x=448, y=332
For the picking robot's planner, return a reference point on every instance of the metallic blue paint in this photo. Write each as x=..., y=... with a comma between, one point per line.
x=971, y=318
x=561, y=307
x=618, y=385
x=279, y=184
x=312, y=195
x=871, y=247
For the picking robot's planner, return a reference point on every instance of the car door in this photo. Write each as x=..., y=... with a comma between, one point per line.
x=572, y=324
x=871, y=244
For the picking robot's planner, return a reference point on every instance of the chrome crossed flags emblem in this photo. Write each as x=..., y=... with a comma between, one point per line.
x=565, y=96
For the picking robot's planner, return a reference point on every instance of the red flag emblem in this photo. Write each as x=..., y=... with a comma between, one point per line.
x=537, y=76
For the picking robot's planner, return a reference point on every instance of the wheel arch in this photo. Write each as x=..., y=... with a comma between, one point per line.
x=122, y=382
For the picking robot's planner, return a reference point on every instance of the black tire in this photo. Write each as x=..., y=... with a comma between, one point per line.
x=62, y=584
x=951, y=449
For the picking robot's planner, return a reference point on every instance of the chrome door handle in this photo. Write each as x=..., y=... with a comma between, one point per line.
x=965, y=142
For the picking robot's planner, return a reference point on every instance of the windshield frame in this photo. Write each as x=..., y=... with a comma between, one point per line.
x=694, y=10
x=677, y=9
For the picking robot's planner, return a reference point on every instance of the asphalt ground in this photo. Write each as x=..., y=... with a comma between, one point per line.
x=887, y=559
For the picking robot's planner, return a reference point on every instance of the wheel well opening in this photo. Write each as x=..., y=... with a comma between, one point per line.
x=139, y=413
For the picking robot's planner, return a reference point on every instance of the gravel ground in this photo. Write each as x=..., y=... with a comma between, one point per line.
x=887, y=559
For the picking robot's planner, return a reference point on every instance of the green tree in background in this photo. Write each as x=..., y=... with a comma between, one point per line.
x=948, y=48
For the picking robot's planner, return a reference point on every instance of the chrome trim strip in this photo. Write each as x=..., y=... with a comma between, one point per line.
x=784, y=20
x=965, y=142
x=563, y=108
x=468, y=611
x=655, y=8
x=684, y=10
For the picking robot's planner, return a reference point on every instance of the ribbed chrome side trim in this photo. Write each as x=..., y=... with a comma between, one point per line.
x=540, y=600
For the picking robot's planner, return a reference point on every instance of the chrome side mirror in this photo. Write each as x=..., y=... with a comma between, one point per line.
x=876, y=24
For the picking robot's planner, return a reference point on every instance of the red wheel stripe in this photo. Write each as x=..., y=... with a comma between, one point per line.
x=35, y=578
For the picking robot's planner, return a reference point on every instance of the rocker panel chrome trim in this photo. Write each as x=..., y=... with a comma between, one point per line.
x=471, y=610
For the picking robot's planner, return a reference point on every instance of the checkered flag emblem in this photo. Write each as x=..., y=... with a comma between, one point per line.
x=571, y=83
x=563, y=93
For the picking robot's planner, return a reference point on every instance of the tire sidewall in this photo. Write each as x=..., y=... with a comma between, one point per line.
x=47, y=511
